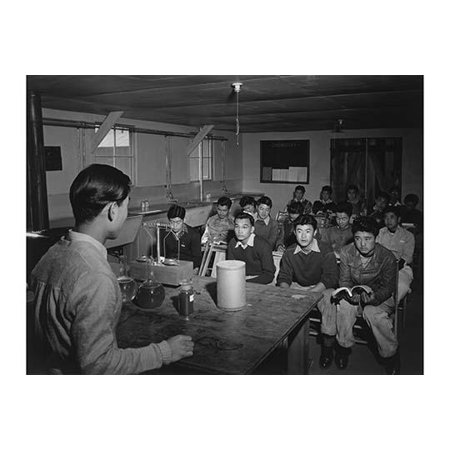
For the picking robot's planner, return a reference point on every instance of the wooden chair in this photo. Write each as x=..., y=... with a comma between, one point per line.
x=214, y=252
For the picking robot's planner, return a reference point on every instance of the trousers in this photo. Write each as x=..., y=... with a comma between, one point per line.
x=377, y=317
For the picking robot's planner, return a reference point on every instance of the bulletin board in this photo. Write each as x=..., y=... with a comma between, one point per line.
x=284, y=161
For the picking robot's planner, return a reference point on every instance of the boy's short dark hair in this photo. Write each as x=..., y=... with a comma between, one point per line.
x=327, y=188
x=94, y=187
x=299, y=188
x=411, y=198
x=224, y=201
x=365, y=224
x=176, y=211
x=247, y=200
x=344, y=207
x=244, y=215
x=264, y=200
x=305, y=219
x=295, y=208
x=392, y=209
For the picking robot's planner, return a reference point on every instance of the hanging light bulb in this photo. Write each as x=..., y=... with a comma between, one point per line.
x=237, y=89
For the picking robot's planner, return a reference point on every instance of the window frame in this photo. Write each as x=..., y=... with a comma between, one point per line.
x=96, y=157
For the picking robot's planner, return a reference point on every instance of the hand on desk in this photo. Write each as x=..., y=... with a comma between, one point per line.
x=181, y=346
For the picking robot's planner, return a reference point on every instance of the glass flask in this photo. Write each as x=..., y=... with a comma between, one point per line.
x=150, y=294
x=128, y=287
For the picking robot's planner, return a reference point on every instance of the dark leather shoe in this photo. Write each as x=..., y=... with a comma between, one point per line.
x=392, y=364
x=326, y=357
x=341, y=358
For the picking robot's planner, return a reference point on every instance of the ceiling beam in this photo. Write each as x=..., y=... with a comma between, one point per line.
x=104, y=129
x=199, y=138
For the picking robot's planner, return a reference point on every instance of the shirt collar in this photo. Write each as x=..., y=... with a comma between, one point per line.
x=314, y=248
x=75, y=236
x=250, y=242
x=266, y=220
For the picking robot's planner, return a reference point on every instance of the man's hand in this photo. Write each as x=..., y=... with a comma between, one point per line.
x=181, y=346
x=281, y=248
x=195, y=271
x=367, y=299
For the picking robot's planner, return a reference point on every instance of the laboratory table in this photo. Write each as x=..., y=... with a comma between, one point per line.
x=227, y=342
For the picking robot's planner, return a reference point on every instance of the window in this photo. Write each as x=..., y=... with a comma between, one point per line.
x=116, y=149
x=205, y=149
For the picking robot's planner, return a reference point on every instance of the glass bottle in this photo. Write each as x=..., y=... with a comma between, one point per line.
x=150, y=294
x=128, y=286
x=186, y=298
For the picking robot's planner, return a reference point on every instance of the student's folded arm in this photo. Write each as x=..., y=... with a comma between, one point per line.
x=388, y=278
x=286, y=271
x=345, y=278
x=408, y=249
x=268, y=267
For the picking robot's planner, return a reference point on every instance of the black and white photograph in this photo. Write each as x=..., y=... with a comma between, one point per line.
x=154, y=245
x=224, y=224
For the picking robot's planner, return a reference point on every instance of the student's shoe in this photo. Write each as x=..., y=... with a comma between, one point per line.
x=392, y=364
x=326, y=357
x=341, y=358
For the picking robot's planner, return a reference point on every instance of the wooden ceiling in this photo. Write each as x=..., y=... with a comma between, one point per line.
x=266, y=103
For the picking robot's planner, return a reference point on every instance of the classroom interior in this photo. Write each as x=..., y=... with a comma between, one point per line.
x=190, y=139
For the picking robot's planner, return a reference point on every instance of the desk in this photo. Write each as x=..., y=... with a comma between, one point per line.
x=227, y=342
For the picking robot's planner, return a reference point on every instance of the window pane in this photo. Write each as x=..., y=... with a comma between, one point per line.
x=124, y=164
x=105, y=151
x=102, y=160
x=108, y=140
x=123, y=151
x=206, y=168
x=193, y=168
x=122, y=138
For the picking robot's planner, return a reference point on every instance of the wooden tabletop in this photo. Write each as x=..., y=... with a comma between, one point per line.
x=225, y=342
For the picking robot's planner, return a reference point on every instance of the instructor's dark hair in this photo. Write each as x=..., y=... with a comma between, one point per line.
x=94, y=187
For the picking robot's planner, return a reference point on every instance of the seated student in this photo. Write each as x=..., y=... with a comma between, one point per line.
x=359, y=207
x=76, y=294
x=394, y=196
x=364, y=262
x=287, y=237
x=410, y=214
x=219, y=227
x=265, y=226
x=312, y=266
x=341, y=234
x=401, y=243
x=298, y=197
x=253, y=250
x=248, y=205
x=325, y=205
x=377, y=211
x=182, y=242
